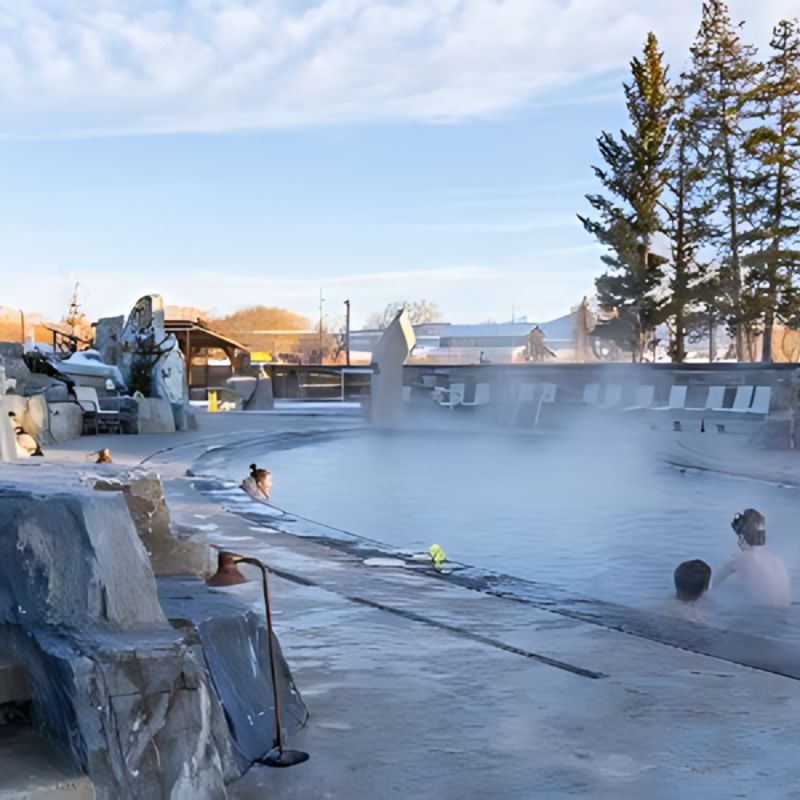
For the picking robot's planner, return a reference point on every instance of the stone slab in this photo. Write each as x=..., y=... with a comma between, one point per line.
x=72, y=559
x=235, y=651
x=155, y=416
x=169, y=554
x=66, y=422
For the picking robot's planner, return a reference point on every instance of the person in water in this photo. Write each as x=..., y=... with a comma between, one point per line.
x=692, y=579
x=762, y=574
x=263, y=479
x=258, y=484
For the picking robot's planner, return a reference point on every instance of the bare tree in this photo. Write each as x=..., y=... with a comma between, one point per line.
x=420, y=312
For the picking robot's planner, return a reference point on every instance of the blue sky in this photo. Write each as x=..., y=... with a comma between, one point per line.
x=253, y=151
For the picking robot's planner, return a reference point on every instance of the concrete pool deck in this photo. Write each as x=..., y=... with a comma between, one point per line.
x=418, y=688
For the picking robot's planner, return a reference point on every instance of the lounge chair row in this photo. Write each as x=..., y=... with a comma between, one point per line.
x=459, y=394
x=747, y=399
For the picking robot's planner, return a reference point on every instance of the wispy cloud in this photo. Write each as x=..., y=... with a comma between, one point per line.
x=116, y=66
x=534, y=223
x=462, y=291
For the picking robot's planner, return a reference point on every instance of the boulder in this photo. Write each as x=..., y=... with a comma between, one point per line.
x=169, y=554
x=12, y=355
x=108, y=332
x=111, y=680
x=73, y=558
x=155, y=415
x=134, y=710
x=36, y=418
x=235, y=652
x=256, y=393
x=65, y=422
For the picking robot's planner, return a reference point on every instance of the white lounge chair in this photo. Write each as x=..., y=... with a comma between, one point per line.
x=612, y=396
x=449, y=398
x=483, y=393
x=677, y=399
x=715, y=397
x=591, y=394
x=741, y=402
x=761, y=400
x=643, y=398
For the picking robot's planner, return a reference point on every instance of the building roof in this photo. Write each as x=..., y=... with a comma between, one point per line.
x=201, y=336
x=482, y=329
x=556, y=330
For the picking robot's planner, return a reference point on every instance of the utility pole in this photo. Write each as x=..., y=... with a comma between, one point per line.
x=321, y=318
x=347, y=332
x=74, y=310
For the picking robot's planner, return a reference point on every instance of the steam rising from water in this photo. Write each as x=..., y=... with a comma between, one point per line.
x=592, y=509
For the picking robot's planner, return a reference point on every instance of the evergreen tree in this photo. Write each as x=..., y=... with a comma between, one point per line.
x=634, y=176
x=721, y=80
x=689, y=228
x=774, y=190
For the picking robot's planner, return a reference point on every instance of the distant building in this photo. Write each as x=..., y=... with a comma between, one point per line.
x=496, y=343
x=490, y=342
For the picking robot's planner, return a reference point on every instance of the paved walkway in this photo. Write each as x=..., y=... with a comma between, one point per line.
x=422, y=689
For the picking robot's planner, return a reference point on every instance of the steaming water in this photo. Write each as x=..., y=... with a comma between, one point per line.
x=603, y=519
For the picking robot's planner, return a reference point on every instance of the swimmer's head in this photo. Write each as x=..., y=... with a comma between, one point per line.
x=751, y=528
x=692, y=579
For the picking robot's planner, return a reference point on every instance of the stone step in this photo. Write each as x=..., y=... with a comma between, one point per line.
x=13, y=681
x=32, y=769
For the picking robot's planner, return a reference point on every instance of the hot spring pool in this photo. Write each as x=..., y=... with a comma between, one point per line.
x=603, y=520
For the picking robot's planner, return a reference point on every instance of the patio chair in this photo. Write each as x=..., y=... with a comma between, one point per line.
x=94, y=417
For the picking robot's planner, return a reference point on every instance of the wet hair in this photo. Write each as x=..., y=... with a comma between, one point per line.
x=751, y=526
x=692, y=579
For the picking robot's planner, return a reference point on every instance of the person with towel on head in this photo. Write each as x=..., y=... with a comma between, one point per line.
x=762, y=575
x=258, y=484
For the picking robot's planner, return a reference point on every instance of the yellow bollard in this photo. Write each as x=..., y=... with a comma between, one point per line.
x=213, y=405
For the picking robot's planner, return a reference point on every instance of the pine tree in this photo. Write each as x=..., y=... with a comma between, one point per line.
x=634, y=177
x=774, y=188
x=720, y=81
x=689, y=228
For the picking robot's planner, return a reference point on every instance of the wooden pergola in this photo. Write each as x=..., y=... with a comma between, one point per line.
x=194, y=337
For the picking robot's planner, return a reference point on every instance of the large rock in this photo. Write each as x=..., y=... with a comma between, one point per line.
x=73, y=559
x=11, y=354
x=108, y=333
x=48, y=423
x=169, y=554
x=256, y=393
x=155, y=415
x=132, y=710
x=111, y=680
x=235, y=651
x=65, y=422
